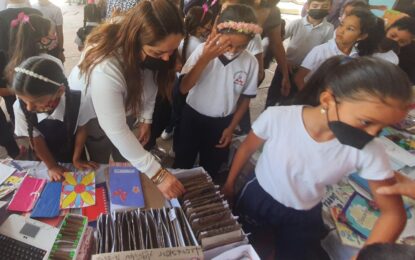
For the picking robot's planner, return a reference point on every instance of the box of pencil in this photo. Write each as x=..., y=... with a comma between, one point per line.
x=69, y=238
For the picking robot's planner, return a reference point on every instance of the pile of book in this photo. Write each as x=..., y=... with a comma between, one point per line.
x=143, y=229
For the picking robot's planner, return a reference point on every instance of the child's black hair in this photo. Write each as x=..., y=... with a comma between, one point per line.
x=26, y=85
x=356, y=78
x=309, y=1
x=237, y=13
x=92, y=13
x=355, y=4
x=368, y=23
x=385, y=251
x=194, y=19
x=405, y=24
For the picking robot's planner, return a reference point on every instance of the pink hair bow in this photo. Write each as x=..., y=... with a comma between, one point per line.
x=21, y=18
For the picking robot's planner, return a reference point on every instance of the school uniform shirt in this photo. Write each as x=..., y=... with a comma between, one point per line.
x=50, y=11
x=304, y=36
x=321, y=53
x=255, y=45
x=57, y=114
x=295, y=169
x=388, y=56
x=191, y=45
x=106, y=95
x=217, y=91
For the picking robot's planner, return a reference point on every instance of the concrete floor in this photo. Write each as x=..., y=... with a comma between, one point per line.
x=73, y=19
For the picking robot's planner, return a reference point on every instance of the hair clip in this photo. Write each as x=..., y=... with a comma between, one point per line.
x=37, y=76
x=22, y=18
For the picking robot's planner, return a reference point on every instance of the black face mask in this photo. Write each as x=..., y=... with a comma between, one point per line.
x=152, y=63
x=349, y=135
x=318, y=13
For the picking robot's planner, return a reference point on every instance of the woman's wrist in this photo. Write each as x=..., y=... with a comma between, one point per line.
x=160, y=176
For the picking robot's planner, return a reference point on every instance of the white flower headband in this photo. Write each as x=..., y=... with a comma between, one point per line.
x=241, y=27
x=37, y=76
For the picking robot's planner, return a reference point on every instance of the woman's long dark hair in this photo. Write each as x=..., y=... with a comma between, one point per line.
x=356, y=78
x=26, y=85
x=148, y=23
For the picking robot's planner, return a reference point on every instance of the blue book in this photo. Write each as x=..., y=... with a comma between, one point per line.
x=48, y=203
x=125, y=188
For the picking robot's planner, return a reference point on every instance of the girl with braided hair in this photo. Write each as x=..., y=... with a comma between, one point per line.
x=50, y=114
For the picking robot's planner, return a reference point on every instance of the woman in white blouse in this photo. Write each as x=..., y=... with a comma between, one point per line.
x=120, y=72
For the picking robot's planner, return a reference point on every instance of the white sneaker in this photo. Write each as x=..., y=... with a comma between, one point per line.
x=166, y=135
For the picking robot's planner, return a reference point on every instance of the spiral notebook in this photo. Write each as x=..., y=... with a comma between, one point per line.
x=101, y=205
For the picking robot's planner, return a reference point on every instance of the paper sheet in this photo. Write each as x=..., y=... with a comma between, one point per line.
x=5, y=172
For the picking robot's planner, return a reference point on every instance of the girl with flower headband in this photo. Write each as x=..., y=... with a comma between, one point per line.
x=49, y=113
x=220, y=78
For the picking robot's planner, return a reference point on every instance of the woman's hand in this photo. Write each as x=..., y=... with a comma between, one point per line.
x=226, y=138
x=171, y=187
x=404, y=186
x=144, y=133
x=85, y=165
x=214, y=47
x=56, y=172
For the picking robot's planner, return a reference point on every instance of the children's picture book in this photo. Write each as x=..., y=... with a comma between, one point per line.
x=100, y=207
x=125, y=188
x=12, y=183
x=360, y=215
x=78, y=190
x=347, y=236
x=26, y=196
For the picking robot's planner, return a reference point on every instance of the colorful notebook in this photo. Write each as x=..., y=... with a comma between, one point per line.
x=125, y=188
x=12, y=183
x=27, y=195
x=101, y=205
x=347, y=236
x=48, y=204
x=78, y=190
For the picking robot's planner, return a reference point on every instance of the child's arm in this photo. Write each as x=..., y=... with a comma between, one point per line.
x=392, y=219
x=300, y=76
x=55, y=171
x=6, y=92
x=80, y=139
x=247, y=148
x=242, y=107
x=261, y=72
x=277, y=48
x=212, y=49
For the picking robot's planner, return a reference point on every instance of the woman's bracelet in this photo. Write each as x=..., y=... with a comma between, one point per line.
x=160, y=176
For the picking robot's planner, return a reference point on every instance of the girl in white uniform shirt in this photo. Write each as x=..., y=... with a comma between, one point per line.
x=352, y=38
x=306, y=148
x=220, y=77
x=122, y=67
x=49, y=114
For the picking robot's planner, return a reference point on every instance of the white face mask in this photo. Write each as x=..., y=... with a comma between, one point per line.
x=230, y=55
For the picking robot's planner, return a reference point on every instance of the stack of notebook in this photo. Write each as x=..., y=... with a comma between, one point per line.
x=208, y=213
x=143, y=229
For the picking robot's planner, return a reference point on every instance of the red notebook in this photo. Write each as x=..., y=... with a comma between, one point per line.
x=93, y=212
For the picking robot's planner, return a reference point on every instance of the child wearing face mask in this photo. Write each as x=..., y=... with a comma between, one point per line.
x=304, y=34
x=50, y=114
x=306, y=147
x=220, y=78
x=354, y=37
